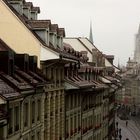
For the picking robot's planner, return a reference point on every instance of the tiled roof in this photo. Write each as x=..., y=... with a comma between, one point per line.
x=99, y=84
x=17, y=83
x=40, y=23
x=6, y=91
x=26, y=76
x=37, y=77
x=61, y=32
x=28, y=4
x=79, y=82
x=54, y=28
x=36, y=9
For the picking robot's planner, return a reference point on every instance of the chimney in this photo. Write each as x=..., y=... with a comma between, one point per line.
x=22, y=61
x=7, y=62
x=33, y=63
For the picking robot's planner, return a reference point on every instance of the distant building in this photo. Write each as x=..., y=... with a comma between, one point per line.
x=137, y=47
x=130, y=93
x=96, y=89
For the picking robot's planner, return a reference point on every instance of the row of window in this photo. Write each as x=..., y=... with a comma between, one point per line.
x=73, y=124
x=31, y=114
x=72, y=101
x=33, y=136
x=55, y=74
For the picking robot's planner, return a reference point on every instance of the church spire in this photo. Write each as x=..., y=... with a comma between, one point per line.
x=139, y=29
x=118, y=63
x=90, y=34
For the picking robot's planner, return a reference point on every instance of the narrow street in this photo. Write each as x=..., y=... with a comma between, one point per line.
x=131, y=131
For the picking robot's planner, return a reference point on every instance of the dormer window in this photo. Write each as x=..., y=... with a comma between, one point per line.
x=26, y=12
x=53, y=39
x=17, y=5
x=33, y=15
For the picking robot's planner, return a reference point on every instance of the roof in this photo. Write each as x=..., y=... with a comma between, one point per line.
x=4, y=46
x=30, y=5
x=54, y=28
x=61, y=32
x=79, y=82
x=36, y=9
x=79, y=43
x=24, y=20
x=18, y=83
x=7, y=91
x=40, y=23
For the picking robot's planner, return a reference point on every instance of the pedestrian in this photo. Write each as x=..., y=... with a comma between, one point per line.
x=120, y=131
x=120, y=137
x=117, y=124
x=126, y=123
x=117, y=132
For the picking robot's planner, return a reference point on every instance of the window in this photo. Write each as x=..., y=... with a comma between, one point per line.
x=45, y=107
x=33, y=111
x=33, y=137
x=71, y=125
x=75, y=123
x=67, y=128
x=10, y=128
x=52, y=74
x=26, y=115
x=71, y=105
x=16, y=117
x=39, y=109
x=38, y=135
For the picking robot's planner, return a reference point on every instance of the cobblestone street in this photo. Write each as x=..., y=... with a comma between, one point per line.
x=131, y=131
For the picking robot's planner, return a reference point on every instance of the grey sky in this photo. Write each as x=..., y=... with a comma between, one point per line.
x=114, y=22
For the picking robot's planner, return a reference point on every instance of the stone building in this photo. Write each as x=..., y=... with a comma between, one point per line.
x=61, y=90
x=21, y=96
x=130, y=94
x=97, y=97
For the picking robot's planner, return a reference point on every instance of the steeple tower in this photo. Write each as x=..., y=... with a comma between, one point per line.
x=139, y=29
x=118, y=63
x=137, y=47
x=90, y=34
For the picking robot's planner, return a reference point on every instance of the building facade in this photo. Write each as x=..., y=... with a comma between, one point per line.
x=52, y=90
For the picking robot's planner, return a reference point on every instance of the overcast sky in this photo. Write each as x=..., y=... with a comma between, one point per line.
x=114, y=22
